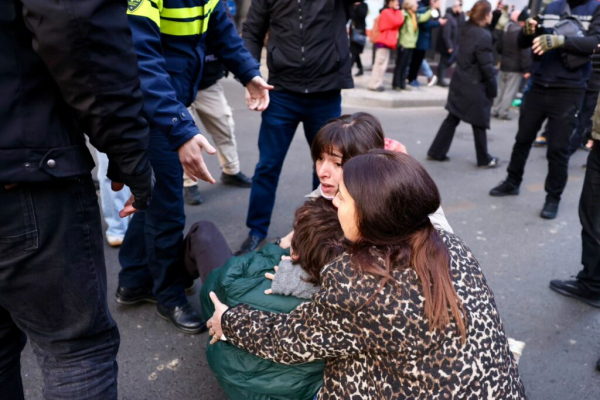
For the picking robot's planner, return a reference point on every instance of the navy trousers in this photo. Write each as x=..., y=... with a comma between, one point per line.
x=152, y=251
x=279, y=123
x=53, y=290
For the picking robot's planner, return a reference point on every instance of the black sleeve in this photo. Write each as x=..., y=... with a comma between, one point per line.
x=87, y=47
x=526, y=60
x=446, y=36
x=485, y=59
x=586, y=45
x=255, y=27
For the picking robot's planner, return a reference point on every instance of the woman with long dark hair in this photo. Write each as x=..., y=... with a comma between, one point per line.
x=472, y=88
x=405, y=312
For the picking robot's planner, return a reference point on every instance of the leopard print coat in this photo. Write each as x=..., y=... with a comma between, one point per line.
x=384, y=350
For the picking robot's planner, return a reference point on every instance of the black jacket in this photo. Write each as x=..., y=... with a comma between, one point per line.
x=550, y=70
x=514, y=58
x=448, y=38
x=67, y=68
x=307, y=49
x=473, y=84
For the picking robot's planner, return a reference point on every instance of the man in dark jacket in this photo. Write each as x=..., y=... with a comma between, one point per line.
x=559, y=76
x=59, y=79
x=515, y=65
x=309, y=63
x=447, y=42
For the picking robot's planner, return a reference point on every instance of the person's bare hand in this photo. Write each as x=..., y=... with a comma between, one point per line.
x=286, y=241
x=190, y=156
x=271, y=277
x=394, y=145
x=450, y=51
x=214, y=323
x=257, y=94
x=128, y=208
x=526, y=75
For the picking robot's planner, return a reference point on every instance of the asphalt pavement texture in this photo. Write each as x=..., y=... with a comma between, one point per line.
x=519, y=253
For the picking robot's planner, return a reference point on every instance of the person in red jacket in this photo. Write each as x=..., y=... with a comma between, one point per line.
x=390, y=21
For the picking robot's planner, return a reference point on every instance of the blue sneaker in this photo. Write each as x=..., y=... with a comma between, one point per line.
x=415, y=83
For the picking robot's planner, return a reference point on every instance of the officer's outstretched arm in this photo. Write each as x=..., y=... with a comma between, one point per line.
x=163, y=109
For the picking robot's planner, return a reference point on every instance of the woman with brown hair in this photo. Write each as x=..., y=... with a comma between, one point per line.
x=405, y=312
x=472, y=88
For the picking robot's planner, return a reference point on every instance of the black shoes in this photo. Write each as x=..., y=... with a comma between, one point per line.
x=184, y=318
x=239, y=180
x=443, y=159
x=250, y=244
x=191, y=195
x=359, y=73
x=576, y=290
x=505, y=188
x=494, y=163
x=129, y=296
x=550, y=210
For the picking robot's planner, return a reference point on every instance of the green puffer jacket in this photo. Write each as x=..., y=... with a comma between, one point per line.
x=244, y=376
x=408, y=35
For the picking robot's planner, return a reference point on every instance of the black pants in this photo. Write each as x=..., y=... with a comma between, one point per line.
x=415, y=64
x=402, y=60
x=589, y=215
x=584, y=123
x=442, y=67
x=561, y=107
x=441, y=144
x=53, y=289
x=205, y=250
x=356, y=50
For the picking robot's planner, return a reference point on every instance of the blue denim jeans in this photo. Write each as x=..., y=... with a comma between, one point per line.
x=53, y=290
x=279, y=124
x=152, y=252
x=112, y=202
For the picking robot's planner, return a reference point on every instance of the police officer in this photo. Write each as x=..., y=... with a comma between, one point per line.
x=59, y=79
x=169, y=37
x=559, y=79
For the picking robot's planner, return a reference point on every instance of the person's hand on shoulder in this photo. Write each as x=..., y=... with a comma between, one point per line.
x=394, y=145
x=257, y=94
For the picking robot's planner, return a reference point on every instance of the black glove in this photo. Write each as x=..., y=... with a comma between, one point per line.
x=141, y=185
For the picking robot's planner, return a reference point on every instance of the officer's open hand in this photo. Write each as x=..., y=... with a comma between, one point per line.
x=257, y=94
x=190, y=156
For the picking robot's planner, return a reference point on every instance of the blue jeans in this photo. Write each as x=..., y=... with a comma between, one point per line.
x=53, y=290
x=426, y=69
x=152, y=252
x=112, y=202
x=279, y=123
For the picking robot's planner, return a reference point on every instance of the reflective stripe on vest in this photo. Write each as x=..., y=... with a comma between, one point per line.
x=185, y=21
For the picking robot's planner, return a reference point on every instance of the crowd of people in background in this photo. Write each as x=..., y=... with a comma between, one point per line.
x=383, y=297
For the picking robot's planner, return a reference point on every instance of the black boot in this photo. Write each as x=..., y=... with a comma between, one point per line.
x=192, y=196
x=184, y=318
x=576, y=290
x=129, y=296
x=506, y=188
x=550, y=209
x=250, y=244
x=239, y=180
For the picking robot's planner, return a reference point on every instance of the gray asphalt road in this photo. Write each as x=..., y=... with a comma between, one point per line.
x=519, y=253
